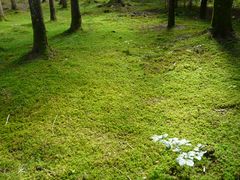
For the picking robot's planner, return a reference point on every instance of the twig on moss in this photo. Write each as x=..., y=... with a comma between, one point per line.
x=53, y=124
x=7, y=119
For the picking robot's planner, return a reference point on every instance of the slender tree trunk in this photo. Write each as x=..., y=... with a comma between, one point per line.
x=190, y=3
x=52, y=11
x=203, y=9
x=222, y=18
x=64, y=4
x=40, y=43
x=171, y=13
x=176, y=3
x=184, y=3
x=1, y=12
x=13, y=4
x=76, y=16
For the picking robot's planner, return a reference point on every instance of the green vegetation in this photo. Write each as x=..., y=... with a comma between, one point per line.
x=90, y=109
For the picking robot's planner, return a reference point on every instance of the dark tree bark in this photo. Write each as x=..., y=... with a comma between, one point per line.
x=64, y=4
x=222, y=18
x=190, y=4
x=203, y=9
x=13, y=5
x=76, y=21
x=52, y=11
x=171, y=13
x=176, y=3
x=1, y=12
x=184, y=3
x=40, y=43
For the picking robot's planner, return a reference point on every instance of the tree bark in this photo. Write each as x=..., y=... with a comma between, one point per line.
x=40, y=43
x=190, y=3
x=52, y=10
x=13, y=5
x=64, y=4
x=184, y=3
x=76, y=21
x=171, y=13
x=203, y=9
x=1, y=12
x=222, y=18
x=176, y=3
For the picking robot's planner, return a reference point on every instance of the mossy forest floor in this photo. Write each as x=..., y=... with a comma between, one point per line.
x=89, y=111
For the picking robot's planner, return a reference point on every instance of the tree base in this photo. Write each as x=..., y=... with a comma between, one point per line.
x=32, y=55
x=114, y=4
x=222, y=34
x=72, y=30
x=3, y=19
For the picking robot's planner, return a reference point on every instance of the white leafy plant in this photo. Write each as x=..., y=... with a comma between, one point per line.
x=184, y=158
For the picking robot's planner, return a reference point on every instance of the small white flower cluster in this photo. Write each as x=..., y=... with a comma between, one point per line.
x=185, y=158
x=171, y=143
x=188, y=158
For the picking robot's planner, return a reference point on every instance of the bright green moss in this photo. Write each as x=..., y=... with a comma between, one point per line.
x=112, y=86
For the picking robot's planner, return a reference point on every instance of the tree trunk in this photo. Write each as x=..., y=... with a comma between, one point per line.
x=52, y=11
x=190, y=3
x=13, y=4
x=64, y=4
x=222, y=18
x=176, y=3
x=171, y=13
x=76, y=16
x=203, y=9
x=1, y=12
x=40, y=43
x=184, y=3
